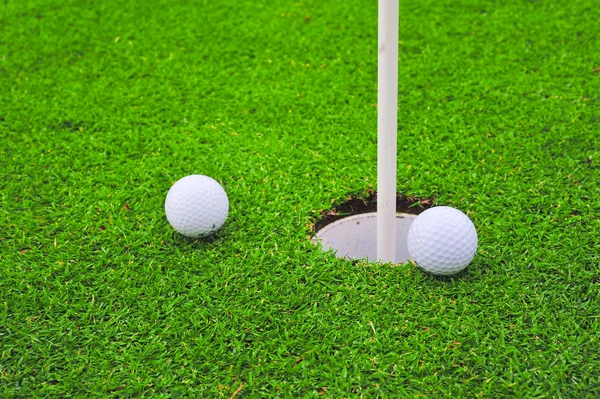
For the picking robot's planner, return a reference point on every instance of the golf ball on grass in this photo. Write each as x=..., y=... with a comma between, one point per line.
x=442, y=240
x=196, y=206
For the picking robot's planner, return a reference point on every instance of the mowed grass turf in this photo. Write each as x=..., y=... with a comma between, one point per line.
x=105, y=104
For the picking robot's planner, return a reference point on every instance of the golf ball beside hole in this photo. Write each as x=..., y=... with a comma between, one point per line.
x=196, y=206
x=442, y=240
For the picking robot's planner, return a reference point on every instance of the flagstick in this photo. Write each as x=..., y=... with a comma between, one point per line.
x=387, y=121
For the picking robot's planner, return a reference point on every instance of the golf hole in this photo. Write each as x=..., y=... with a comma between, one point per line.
x=350, y=227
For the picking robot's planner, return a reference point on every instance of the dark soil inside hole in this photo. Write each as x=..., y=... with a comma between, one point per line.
x=366, y=203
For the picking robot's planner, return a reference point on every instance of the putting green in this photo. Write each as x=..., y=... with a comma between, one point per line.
x=105, y=104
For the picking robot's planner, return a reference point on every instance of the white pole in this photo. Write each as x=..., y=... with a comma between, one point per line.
x=387, y=122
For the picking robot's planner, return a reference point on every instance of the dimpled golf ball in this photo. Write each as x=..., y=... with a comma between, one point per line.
x=442, y=240
x=196, y=206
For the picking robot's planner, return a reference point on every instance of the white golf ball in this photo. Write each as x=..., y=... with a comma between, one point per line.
x=442, y=240
x=196, y=206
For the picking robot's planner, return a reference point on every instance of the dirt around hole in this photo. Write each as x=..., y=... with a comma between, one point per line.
x=366, y=202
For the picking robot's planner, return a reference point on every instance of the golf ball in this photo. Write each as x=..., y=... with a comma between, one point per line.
x=442, y=240
x=196, y=206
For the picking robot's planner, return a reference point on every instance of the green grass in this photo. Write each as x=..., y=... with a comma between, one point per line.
x=104, y=104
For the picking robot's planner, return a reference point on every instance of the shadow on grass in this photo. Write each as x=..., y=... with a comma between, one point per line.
x=182, y=241
x=473, y=272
